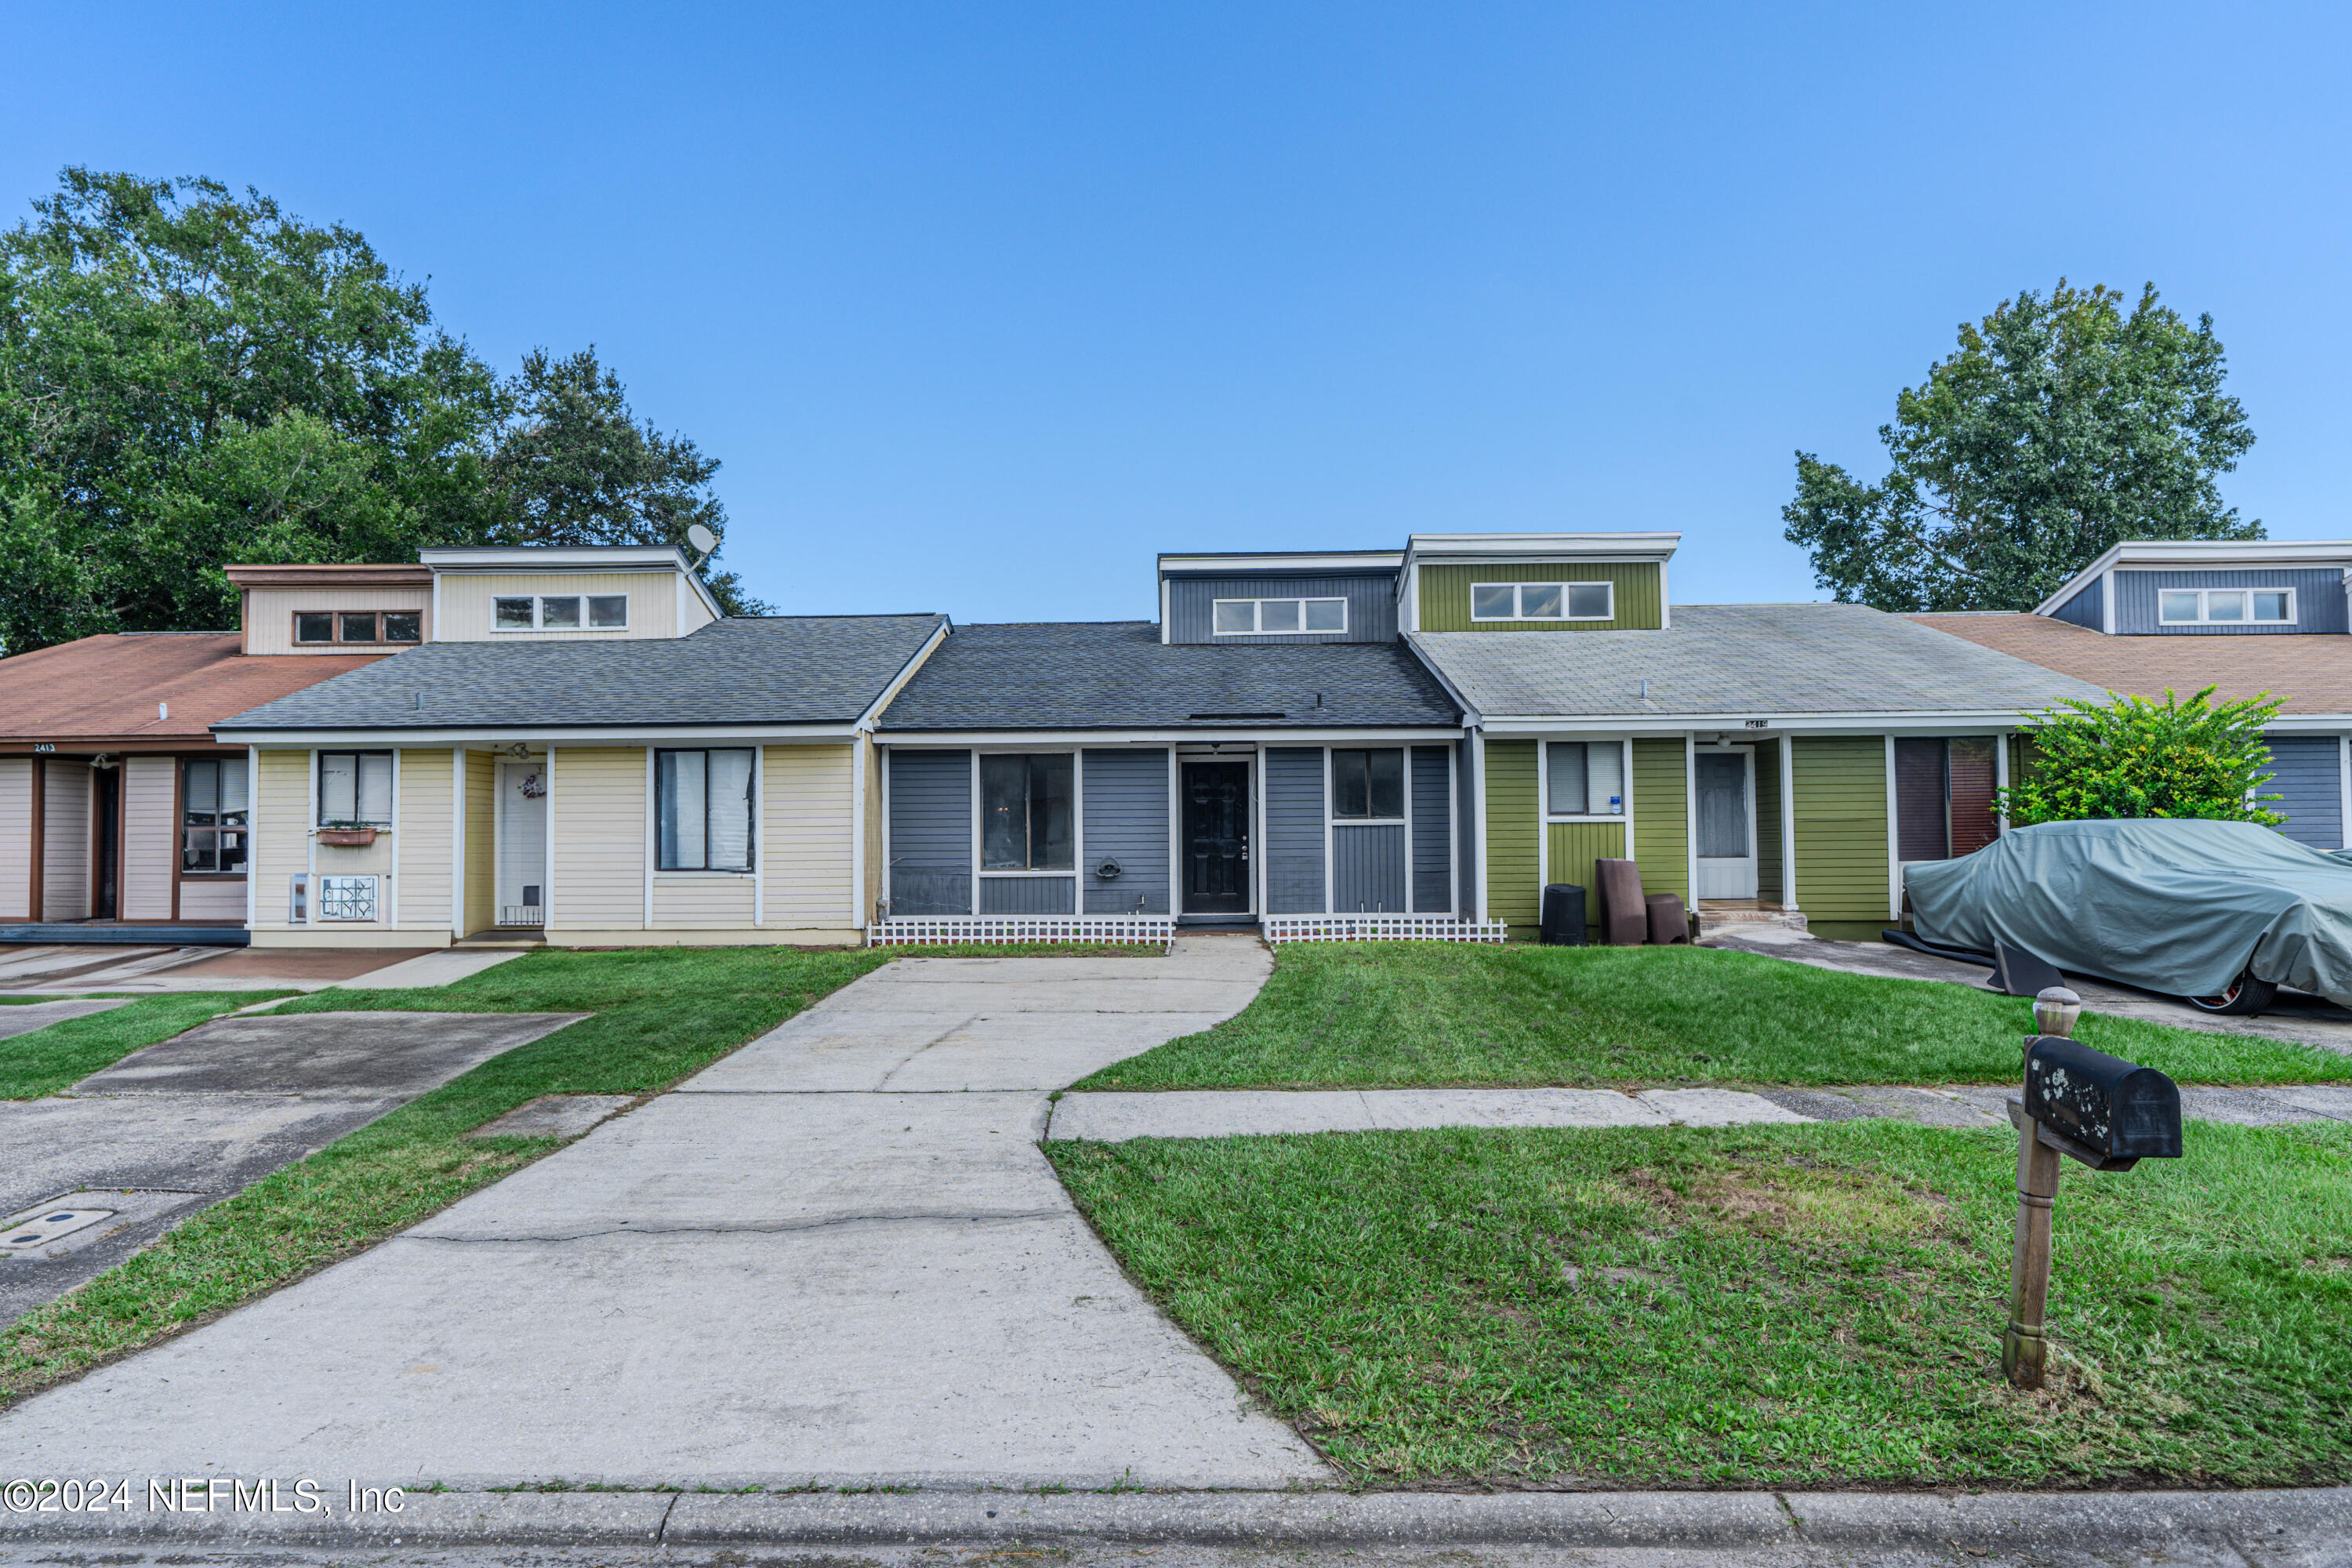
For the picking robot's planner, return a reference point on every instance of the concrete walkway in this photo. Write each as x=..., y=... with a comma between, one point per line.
x=836, y=1257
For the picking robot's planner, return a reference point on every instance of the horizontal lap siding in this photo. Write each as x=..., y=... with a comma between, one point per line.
x=1294, y=830
x=807, y=833
x=1126, y=821
x=481, y=841
x=1662, y=815
x=281, y=836
x=1027, y=895
x=1512, y=824
x=1433, y=830
x=1371, y=606
x=65, y=841
x=1840, y=791
x=1768, y=820
x=210, y=902
x=1640, y=601
x=598, y=880
x=424, y=838
x=930, y=833
x=2306, y=773
x=697, y=900
x=1367, y=869
x=1573, y=850
x=15, y=838
x=150, y=845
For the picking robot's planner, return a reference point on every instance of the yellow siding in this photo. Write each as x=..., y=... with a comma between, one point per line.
x=423, y=840
x=701, y=900
x=481, y=841
x=148, y=844
x=1662, y=815
x=467, y=611
x=269, y=614
x=281, y=841
x=598, y=799
x=1575, y=845
x=806, y=834
x=65, y=840
x=1512, y=823
x=15, y=838
x=1640, y=598
x=1841, y=859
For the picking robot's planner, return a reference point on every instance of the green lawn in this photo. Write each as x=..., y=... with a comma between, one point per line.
x=45, y=1060
x=1432, y=1012
x=660, y=1015
x=1772, y=1306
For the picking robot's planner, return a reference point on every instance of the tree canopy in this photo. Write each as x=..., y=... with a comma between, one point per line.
x=190, y=379
x=2059, y=426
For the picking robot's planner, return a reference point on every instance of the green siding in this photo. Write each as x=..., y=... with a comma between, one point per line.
x=1511, y=826
x=1768, y=820
x=1841, y=866
x=1640, y=597
x=1661, y=816
x=1575, y=845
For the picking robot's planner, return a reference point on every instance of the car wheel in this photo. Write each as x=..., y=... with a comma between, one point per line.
x=2245, y=997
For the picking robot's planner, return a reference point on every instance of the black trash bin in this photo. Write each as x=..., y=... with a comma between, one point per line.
x=1563, y=915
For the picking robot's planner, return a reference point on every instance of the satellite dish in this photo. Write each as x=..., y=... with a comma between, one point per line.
x=701, y=538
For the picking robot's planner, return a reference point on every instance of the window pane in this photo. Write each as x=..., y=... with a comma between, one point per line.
x=314, y=628
x=375, y=787
x=403, y=626
x=2178, y=606
x=1567, y=784
x=232, y=851
x=2270, y=607
x=359, y=628
x=1604, y=774
x=1326, y=615
x=1539, y=601
x=338, y=774
x=1004, y=813
x=1589, y=599
x=1350, y=785
x=565, y=611
x=1387, y=770
x=1049, y=813
x=1493, y=601
x=232, y=794
x=514, y=615
x=1277, y=616
x=2225, y=607
x=1236, y=616
x=731, y=811
x=1922, y=825
x=608, y=610
x=198, y=850
x=679, y=809
x=203, y=794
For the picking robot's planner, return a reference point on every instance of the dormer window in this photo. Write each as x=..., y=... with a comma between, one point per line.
x=1279, y=618
x=2226, y=606
x=561, y=612
x=369, y=628
x=1543, y=601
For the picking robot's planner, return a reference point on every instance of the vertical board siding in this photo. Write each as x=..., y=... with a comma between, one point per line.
x=599, y=872
x=423, y=839
x=930, y=833
x=2319, y=603
x=1661, y=797
x=1294, y=830
x=1028, y=895
x=807, y=836
x=1575, y=845
x=65, y=841
x=1640, y=600
x=15, y=838
x=1768, y=821
x=878, y=860
x=481, y=841
x=1126, y=821
x=1841, y=789
x=281, y=834
x=1371, y=606
x=1432, y=830
x=150, y=838
x=2087, y=608
x=2306, y=773
x=1467, y=788
x=1368, y=868
x=1513, y=822
x=683, y=901
x=270, y=616
x=467, y=612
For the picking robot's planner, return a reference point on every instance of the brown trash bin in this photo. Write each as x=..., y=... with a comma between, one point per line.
x=1624, y=919
x=1669, y=922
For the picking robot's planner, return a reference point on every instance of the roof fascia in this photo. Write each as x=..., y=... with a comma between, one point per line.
x=1504, y=549
x=1166, y=736
x=2215, y=554
x=866, y=720
x=1538, y=723
x=560, y=735
x=1329, y=562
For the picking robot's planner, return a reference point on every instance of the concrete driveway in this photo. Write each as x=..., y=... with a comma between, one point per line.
x=836, y=1257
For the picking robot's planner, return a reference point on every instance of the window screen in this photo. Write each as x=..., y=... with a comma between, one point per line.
x=1368, y=784
x=1025, y=813
x=213, y=816
x=1587, y=778
x=355, y=789
x=702, y=809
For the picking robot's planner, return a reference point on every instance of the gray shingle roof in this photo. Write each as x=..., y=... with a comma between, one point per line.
x=1721, y=660
x=1117, y=675
x=772, y=669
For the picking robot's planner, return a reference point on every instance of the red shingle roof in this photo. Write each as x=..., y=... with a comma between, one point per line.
x=106, y=689
x=2312, y=670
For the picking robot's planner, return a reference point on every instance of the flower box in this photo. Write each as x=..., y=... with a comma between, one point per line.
x=350, y=837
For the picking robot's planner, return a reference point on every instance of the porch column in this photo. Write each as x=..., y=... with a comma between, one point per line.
x=1788, y=821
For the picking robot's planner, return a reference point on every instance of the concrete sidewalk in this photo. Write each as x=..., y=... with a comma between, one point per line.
x=834, y=1256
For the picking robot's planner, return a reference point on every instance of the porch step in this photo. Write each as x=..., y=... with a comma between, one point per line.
x=1719, y=915
x=97, y=932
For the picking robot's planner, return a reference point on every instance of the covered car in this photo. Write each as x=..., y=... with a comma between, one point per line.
x=2220, y=912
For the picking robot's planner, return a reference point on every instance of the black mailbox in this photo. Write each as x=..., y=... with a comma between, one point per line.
x=2117, y=1110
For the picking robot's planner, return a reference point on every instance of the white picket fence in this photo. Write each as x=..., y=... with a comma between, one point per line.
x=1004, y=931
x=1381, y=927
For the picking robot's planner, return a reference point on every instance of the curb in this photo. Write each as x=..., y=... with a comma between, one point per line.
x=2086, y=1521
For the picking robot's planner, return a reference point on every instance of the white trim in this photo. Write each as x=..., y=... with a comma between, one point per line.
x=759, y=850
x=2204, y=606
x=1176, y=835
x=311, y=843
x=1046, y=739
x=253, y=834
x=392, y=898
x=1280, y=929
x=2343, y=786
x=539, y=613
x=2001, y=779
x=858, y=911
x=1543, y=819
x=1690, y=818
x=434, y=632
x=547, y=888
x=1751, y=767
x=867, y=720
x=1520, y=598
x=1257, y=615
x=678, y=604
x=1486, y=805
x=1163, y=609
x=457, y=843
x=1409, y=814
x=505, y=559
x=1788, y=821
x=1893, y=844
x=1666, y=605
x=1453, y=829
x=1331, y=846
x=1926, y=721
x=1625, y=781
x=2107, y=602
x=1004, y=929
x=653, y=840
x=1336, y=563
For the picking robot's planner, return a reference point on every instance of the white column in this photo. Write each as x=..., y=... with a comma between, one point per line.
x=1789, y=822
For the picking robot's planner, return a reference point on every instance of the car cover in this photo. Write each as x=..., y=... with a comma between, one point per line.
x=2176, y=907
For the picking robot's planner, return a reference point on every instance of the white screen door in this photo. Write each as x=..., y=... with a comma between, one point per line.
x=1727, y=823
x=522, y=843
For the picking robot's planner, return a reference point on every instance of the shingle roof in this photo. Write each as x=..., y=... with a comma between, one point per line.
x=106, y=688
x=774, y=670
x=2312, y=670
x=1117, y=675
x=1721, y=660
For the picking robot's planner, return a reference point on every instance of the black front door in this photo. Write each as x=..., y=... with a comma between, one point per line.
x=1216, y=839
x=107, y=789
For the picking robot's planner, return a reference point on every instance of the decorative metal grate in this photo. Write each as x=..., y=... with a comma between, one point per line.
x=1381, y=927
x=347, y=898
x=999, y=931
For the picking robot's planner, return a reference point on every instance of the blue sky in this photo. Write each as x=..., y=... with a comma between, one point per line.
x=982, y=305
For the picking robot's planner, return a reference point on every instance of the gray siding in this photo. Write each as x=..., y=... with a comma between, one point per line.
x=1367, y=869
x=1465, y=797
x=2305, y=775
x=2087, y=608
x=1126, y=821
x=1294, y=830
x=1433, y=838
x=1027, y=895
x=1371, y=606
x=930, y=833
x=2318, y=600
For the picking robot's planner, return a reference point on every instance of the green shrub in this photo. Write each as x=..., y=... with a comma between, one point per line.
x=2132, y=758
